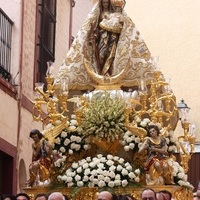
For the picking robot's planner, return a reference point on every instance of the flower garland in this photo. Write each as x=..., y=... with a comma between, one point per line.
x=130, y=141
x=100, y=171
x=104, y=117
x=70, y=142
x=171, y=142
x=145, y=123
x=180, y=177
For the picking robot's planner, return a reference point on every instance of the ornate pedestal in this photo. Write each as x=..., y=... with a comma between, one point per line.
x=179, y=193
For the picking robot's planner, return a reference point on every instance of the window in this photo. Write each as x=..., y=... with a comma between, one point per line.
x=5, y=45
x=45, y=37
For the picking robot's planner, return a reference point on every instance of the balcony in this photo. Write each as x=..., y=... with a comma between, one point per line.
x=5, y=45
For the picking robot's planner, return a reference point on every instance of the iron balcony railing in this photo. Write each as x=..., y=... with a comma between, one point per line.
x=5, y=45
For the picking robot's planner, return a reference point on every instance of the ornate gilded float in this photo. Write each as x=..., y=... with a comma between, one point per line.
x=96, y=147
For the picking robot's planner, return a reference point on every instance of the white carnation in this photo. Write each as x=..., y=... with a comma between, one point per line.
x=137, y=171
x=101, y=184
x=62, y=149
x=109, y=157
x=147, y=120
x=99, y=171
x=180, y=175
x=73, y=138
x=131, y=145
x=129, y=140
x=121, y=161
x=131, y=175
x=100, y=166
x=109, y=162
x=70, y=152
x=143, y=124
x=111, y=174
x=124, y=172
x=99, y=156
x=100, y=177
x=63, y=134
x=107, y=179
x=126, y=148
x=79, y=169
x=137, y=179
x=80, y=183
x=124, y=183
x=87, y=172
x=72, y=128
x=64, y=178
x=119, y=168
x=92, y=164
x=77, y=177
x=85, y=179
x=86, y=146
x=74, y=122
x=66, y=142
x=75, y=165
x=129, y=167
x=112, y=168
x=111, y=184
x=85, y=165
x=103, y=159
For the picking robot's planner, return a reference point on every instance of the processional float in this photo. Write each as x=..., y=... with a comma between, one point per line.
x=96, y=147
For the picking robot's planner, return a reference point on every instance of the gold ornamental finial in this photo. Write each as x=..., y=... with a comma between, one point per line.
x=118, y=3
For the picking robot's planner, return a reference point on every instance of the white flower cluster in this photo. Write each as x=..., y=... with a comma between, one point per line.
x=130, y=141
x=179, y=175
x=171, y=142
x=60, y=161
x=100, y=171
x=146, y=122
x=70, y=142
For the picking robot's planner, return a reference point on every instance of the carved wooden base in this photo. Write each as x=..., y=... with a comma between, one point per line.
x=179, y=193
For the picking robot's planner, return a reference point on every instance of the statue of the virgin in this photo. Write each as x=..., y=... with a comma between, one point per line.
x=108, y=49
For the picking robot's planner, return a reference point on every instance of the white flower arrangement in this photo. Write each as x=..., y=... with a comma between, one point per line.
x=171, y=142
x=130, y=141
x=104, y=117
x=180, y=177
x=145, y=123
x=70, y=142
x=100, y=171
x=60, y=161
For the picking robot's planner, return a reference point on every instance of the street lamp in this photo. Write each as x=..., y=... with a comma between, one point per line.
x=183, y=110
x=186, y=141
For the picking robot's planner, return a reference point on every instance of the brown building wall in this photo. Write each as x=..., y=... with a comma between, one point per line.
x=194, y=170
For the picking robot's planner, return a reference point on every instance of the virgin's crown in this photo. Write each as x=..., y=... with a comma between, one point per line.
x=118, y=3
